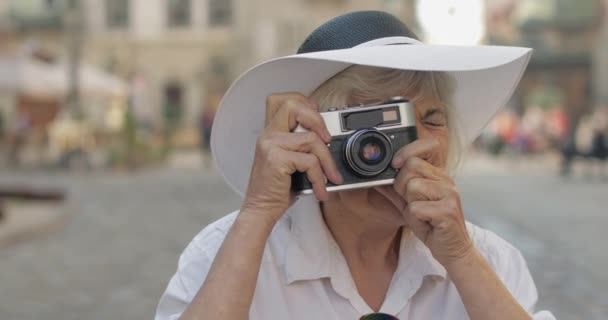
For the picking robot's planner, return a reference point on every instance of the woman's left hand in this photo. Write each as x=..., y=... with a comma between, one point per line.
x=429, y=201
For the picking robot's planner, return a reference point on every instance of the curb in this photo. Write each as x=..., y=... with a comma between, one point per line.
x=25, y=220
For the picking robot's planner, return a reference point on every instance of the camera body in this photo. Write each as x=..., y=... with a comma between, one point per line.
x=364, y=139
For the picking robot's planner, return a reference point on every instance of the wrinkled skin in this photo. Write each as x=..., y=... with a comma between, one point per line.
x=423, y=197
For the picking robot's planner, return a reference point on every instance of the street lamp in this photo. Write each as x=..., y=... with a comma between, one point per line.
x=451, y=22
x=74, y=42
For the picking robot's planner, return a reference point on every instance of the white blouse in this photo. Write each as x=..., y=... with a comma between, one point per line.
x=304, y=275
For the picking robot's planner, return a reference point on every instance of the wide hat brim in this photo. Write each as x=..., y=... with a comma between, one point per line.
x=485, y=78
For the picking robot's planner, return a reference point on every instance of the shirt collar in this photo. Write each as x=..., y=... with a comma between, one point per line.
x=312, y=253
x=416, y=258
x=415, y=264
x=309, y=243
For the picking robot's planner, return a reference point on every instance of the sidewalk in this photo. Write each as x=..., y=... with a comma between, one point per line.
x=535, y=165
x=477, y=162
x=190, y=159
x=114, y=258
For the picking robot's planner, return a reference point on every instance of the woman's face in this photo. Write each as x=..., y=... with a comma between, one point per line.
x=431, y=122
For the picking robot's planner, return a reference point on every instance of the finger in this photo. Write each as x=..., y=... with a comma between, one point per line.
x=420, y=189
x=425, y=169
x=421, y=228
x=308, y=163
x=438, y=214
x=276, y=100
x=426, y=148
x=417, y=168
x=427, y=211
x=293, y=112
x=312, y=143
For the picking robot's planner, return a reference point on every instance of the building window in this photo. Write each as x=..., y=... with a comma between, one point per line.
x=173, y=103
x=51, y=4
x=220, y=13
x=178, y=13
x=218, y=66
x=117, y=14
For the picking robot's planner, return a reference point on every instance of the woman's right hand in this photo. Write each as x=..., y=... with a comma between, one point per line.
x=230, y=284
x=279, y=153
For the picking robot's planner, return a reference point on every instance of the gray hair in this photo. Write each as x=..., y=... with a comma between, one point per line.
x=365, y=83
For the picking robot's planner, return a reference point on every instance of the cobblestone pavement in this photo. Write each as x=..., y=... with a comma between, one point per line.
x=558, y=224
x=114, y=257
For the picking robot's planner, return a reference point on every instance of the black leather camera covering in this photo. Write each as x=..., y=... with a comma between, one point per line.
x=402, y=137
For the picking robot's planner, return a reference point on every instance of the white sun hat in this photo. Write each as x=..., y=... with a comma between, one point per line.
x=485, y=78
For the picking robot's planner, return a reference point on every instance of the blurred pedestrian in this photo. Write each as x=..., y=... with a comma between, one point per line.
x=558, y=126
x=533, y=128
x=599, y=144
x=2, y=127
x=205, y=125
x=18, y=137
x=568, y=151
x=172, y=114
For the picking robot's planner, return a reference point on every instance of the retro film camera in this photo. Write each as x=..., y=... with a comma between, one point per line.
x=364, y=138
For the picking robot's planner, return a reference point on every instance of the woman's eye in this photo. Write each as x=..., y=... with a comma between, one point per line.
x=436, y=119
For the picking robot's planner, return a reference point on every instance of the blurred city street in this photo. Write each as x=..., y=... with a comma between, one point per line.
x=106, y=107
x=114, y=257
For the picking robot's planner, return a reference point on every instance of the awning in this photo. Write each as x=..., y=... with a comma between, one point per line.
x=28, y=76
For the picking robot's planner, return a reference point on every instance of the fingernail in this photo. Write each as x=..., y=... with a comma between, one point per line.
x=339, y=178
x=397, y=162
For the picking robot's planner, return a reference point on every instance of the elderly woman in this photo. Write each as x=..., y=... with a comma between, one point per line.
x=398, y=250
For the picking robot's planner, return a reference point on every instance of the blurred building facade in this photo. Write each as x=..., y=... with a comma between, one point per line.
x=173, y=52
x=185, y=53
x=562, y=99
x=601, y=58
x=178, y=55
x=570, y=55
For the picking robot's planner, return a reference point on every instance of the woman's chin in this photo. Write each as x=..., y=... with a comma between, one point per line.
x=371, y=200
x=384, y=205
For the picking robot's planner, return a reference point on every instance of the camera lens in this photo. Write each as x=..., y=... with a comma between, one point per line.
x=368, y=152
x=371, y=152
